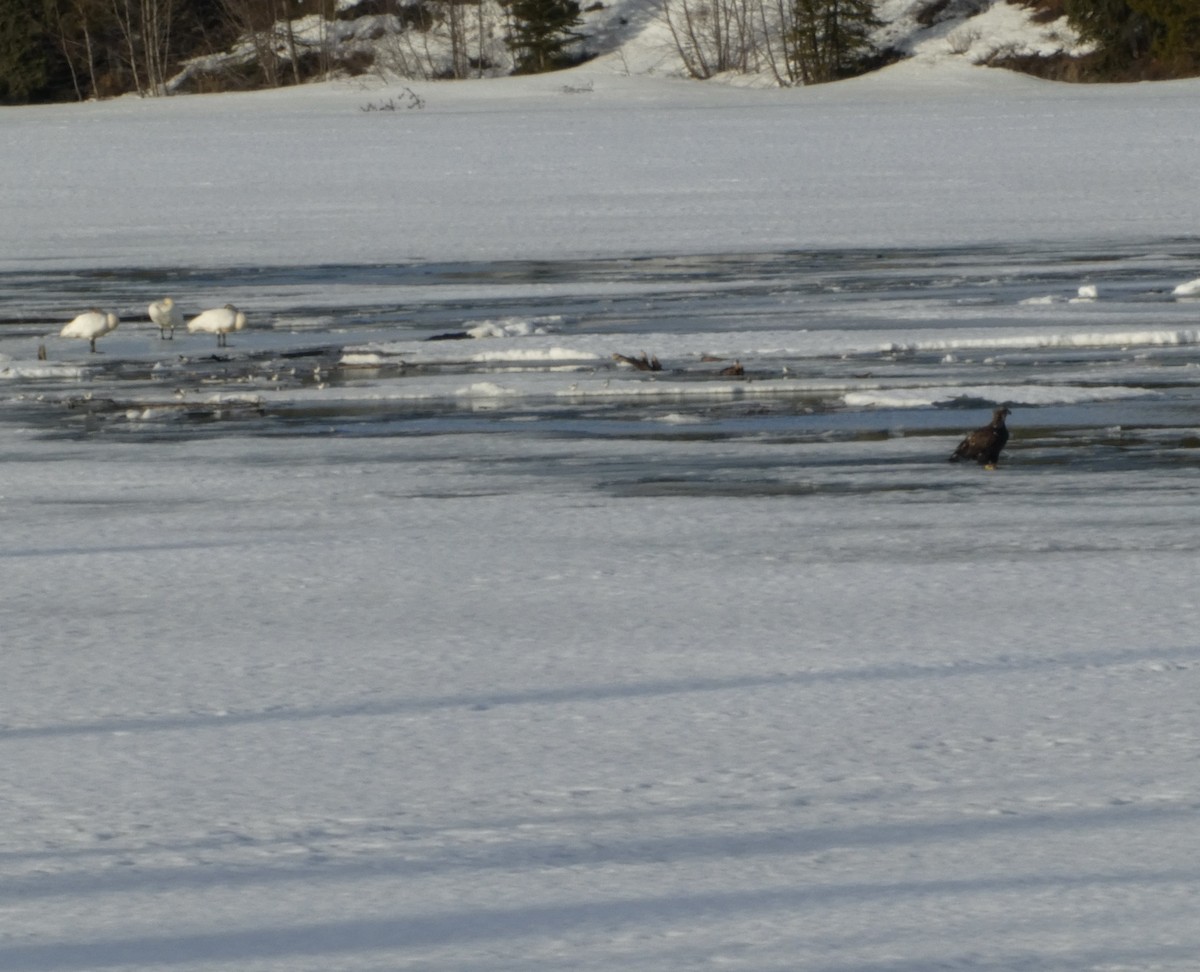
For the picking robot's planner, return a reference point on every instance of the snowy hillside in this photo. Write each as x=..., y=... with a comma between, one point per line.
x=638, y=37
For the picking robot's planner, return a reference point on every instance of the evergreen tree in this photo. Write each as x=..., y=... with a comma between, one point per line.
x=24, y=51
x=1120, y=33
x=1177, y=32
x=1129, y=32
x=831, y=39
x=541, y=31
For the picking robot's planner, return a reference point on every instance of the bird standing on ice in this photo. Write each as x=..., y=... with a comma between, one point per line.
x=90, y=325
x=219, y=321
x=984, y=444
x=167, y=316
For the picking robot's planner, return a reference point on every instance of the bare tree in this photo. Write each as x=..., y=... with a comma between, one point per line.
x=778, y=40
x=325, y=11
x=445, y=39
x=455, y=19
x=145, y=27
x=91, y=44
x=266, y=26
x=157, y=17
x=713, y=36
x=797, y=41
x=73, y=38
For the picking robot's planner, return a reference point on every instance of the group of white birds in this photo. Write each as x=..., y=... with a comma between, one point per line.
x=93, y=324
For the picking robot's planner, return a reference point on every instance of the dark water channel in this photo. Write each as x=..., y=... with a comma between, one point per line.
x=851, y=360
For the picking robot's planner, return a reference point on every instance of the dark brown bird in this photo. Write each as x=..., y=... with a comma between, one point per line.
x=984, y=444
x=640, y=363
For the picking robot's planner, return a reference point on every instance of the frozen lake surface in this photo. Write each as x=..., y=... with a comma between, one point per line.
x=342, y=647
x=858, y=351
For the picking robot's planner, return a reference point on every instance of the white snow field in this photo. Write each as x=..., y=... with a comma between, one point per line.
x=339, y=649
x=589, y=162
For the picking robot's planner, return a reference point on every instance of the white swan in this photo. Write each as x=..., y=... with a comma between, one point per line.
x=90, y=325
x=167, y=316
x=219, y=321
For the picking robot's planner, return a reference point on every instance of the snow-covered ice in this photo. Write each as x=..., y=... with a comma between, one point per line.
x=919, y=155
x=345, y=649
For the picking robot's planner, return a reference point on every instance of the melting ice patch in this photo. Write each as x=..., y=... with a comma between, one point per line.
x=514, y=327
x=536, y=355
x=16, y=370
x=364, y=359
x=931, y=396
x=487, y=389
x=1080, y=339
x=1085, y=294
